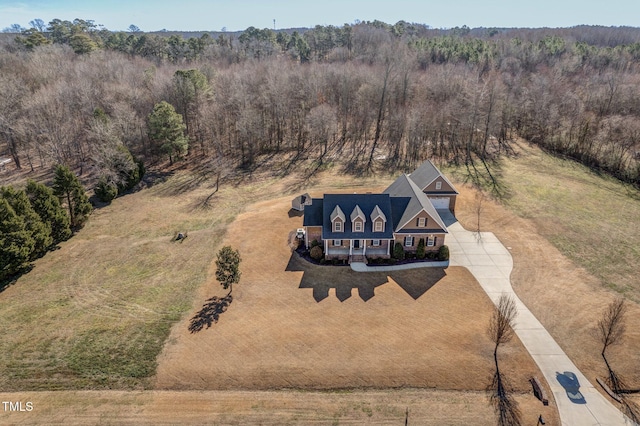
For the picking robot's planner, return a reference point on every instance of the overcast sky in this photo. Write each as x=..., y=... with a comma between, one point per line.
x=212, y=15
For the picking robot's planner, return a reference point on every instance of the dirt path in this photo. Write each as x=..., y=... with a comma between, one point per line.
x=380, y=407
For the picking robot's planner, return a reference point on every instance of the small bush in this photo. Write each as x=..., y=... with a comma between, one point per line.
x=314, y=243
x=316, y=253
x=398, y=251
x=392, y=261
x=337, y=262
x=106, y=191
x=323, y=261
x=421, y=250
x=443, y=253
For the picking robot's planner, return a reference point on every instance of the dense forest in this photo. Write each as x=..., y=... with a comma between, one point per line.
x=372, y=94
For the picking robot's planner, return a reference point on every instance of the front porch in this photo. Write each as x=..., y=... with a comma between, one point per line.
x=357, y=249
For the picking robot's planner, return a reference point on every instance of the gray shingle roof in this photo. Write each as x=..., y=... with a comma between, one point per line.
x=376, y=213
x=366, y=203
x=427, y=173
x=337, y=212
x=313, y=213
x=357, y=212
x=418, y=201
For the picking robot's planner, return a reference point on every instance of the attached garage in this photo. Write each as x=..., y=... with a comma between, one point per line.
x=440, y=203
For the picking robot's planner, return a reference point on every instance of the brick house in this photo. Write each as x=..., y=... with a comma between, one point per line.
x=352, y=226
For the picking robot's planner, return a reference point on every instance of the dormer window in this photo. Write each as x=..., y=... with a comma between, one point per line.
x=438, y=185
x=357, y=219
x=379, y=219
x=337, y=219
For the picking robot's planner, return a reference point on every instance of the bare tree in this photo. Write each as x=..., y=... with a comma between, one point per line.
x=611, y=329
x=501, y=331
x=611, y=326
x=478, y=207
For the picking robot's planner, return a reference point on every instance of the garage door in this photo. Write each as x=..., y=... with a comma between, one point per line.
x=440, y=203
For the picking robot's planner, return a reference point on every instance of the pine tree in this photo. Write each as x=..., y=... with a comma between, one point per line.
x=16, y=244
x=167, y=129
x=67, y=187
x=48, y=207
x=39, y=231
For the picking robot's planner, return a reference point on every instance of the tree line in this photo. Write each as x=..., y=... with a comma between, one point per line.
x=33, y=220
x=369, y=94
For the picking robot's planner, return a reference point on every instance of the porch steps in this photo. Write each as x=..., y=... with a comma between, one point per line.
x=357, y=258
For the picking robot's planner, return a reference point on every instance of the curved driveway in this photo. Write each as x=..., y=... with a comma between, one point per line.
x=579, y=403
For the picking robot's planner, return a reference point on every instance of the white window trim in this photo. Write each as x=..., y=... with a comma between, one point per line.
x=357, y=226
x=337, y=226
x=408, y=240
x=337, y=243
x=431, y=241
x=379, y=226
x=422, y=222
x=375, y=243
x=438, y=185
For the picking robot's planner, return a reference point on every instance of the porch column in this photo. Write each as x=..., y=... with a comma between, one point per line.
x=326, y=247
x=388, y=246
x=350, y=247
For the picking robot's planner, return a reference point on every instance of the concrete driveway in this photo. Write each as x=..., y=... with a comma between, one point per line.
x=579, y=403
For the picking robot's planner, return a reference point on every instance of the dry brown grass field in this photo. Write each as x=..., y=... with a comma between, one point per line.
x=565, y=297
x=94, y=327
x=292, y=324
x=358, y=407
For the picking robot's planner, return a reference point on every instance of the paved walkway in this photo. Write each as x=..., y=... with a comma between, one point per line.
x=363, y=267
x=579, y=403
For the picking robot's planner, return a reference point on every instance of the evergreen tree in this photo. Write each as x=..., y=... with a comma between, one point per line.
x=48, y=207
x=421, y=250
x=67, y=187
x=39, y=231
x=16, y=244
x=167, y=130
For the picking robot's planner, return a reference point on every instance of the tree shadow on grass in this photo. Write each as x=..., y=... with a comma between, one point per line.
x=11, y=280
x=618, y=385
x=210, y=313
x=503, y=402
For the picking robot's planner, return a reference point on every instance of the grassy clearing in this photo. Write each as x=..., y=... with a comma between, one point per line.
x=379, y=407
x=591, y=218
x=558, y=272
x=97, y=312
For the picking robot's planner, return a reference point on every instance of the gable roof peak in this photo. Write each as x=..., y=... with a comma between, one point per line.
x=376, y=213
x=338, y=213
x=357, y=213
x=424, y=175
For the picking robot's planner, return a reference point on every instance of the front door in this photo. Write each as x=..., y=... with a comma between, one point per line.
x=356, y=244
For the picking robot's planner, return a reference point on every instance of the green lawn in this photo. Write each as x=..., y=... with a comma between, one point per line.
x=591, y=218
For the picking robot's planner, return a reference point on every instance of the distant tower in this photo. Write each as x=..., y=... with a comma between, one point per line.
x=274, y=25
